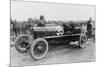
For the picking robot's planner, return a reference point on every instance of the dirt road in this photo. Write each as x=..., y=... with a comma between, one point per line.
x=60, y=54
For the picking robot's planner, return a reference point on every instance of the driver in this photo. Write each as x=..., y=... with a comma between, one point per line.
x=42, y=21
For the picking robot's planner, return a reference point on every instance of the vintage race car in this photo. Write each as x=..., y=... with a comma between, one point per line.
x=40, y=38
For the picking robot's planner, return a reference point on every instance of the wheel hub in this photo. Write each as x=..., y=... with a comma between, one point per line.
x=40, y=47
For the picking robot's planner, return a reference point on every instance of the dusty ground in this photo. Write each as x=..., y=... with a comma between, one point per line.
x=60, y=54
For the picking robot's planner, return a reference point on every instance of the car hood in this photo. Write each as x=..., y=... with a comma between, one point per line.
x=53, y=28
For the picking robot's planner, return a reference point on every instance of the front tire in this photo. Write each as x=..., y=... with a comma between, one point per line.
x=38, y=48
x=22, y=43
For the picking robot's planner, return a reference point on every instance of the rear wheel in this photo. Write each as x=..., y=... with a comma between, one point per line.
x=38, y=48
x=22, y=43
x=82, y=41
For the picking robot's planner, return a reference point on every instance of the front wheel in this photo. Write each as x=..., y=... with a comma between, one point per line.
x=22, y=43
x=38, y=48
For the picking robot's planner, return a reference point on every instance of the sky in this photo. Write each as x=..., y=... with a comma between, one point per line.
x=21, y=10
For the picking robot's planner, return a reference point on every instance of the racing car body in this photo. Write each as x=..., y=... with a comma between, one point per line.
x=39, y=40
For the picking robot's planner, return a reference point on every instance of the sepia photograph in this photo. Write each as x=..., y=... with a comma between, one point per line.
x=45, y=33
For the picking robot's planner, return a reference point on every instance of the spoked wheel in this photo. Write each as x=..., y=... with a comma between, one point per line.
x=22, y=43
x=82, y=41
x=39, y=48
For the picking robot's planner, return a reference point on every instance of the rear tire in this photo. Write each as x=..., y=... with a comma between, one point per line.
x=38, y=48
x=82, y=41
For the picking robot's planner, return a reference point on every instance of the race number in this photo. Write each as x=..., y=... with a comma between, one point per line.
x=60, y=32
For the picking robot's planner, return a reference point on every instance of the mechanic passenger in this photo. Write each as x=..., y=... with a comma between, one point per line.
x=66, y=27
x=72, y=27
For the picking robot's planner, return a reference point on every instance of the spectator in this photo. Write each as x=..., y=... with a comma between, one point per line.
x=89, y=28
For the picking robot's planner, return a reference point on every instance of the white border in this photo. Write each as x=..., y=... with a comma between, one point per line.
x=5, y=38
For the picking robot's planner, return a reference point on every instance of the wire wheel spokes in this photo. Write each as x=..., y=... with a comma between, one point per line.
x=83, y=40
x=22, y=43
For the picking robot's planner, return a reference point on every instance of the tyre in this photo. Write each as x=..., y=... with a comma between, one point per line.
x=38, y=48
x=22, y=43
x=82, y=41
